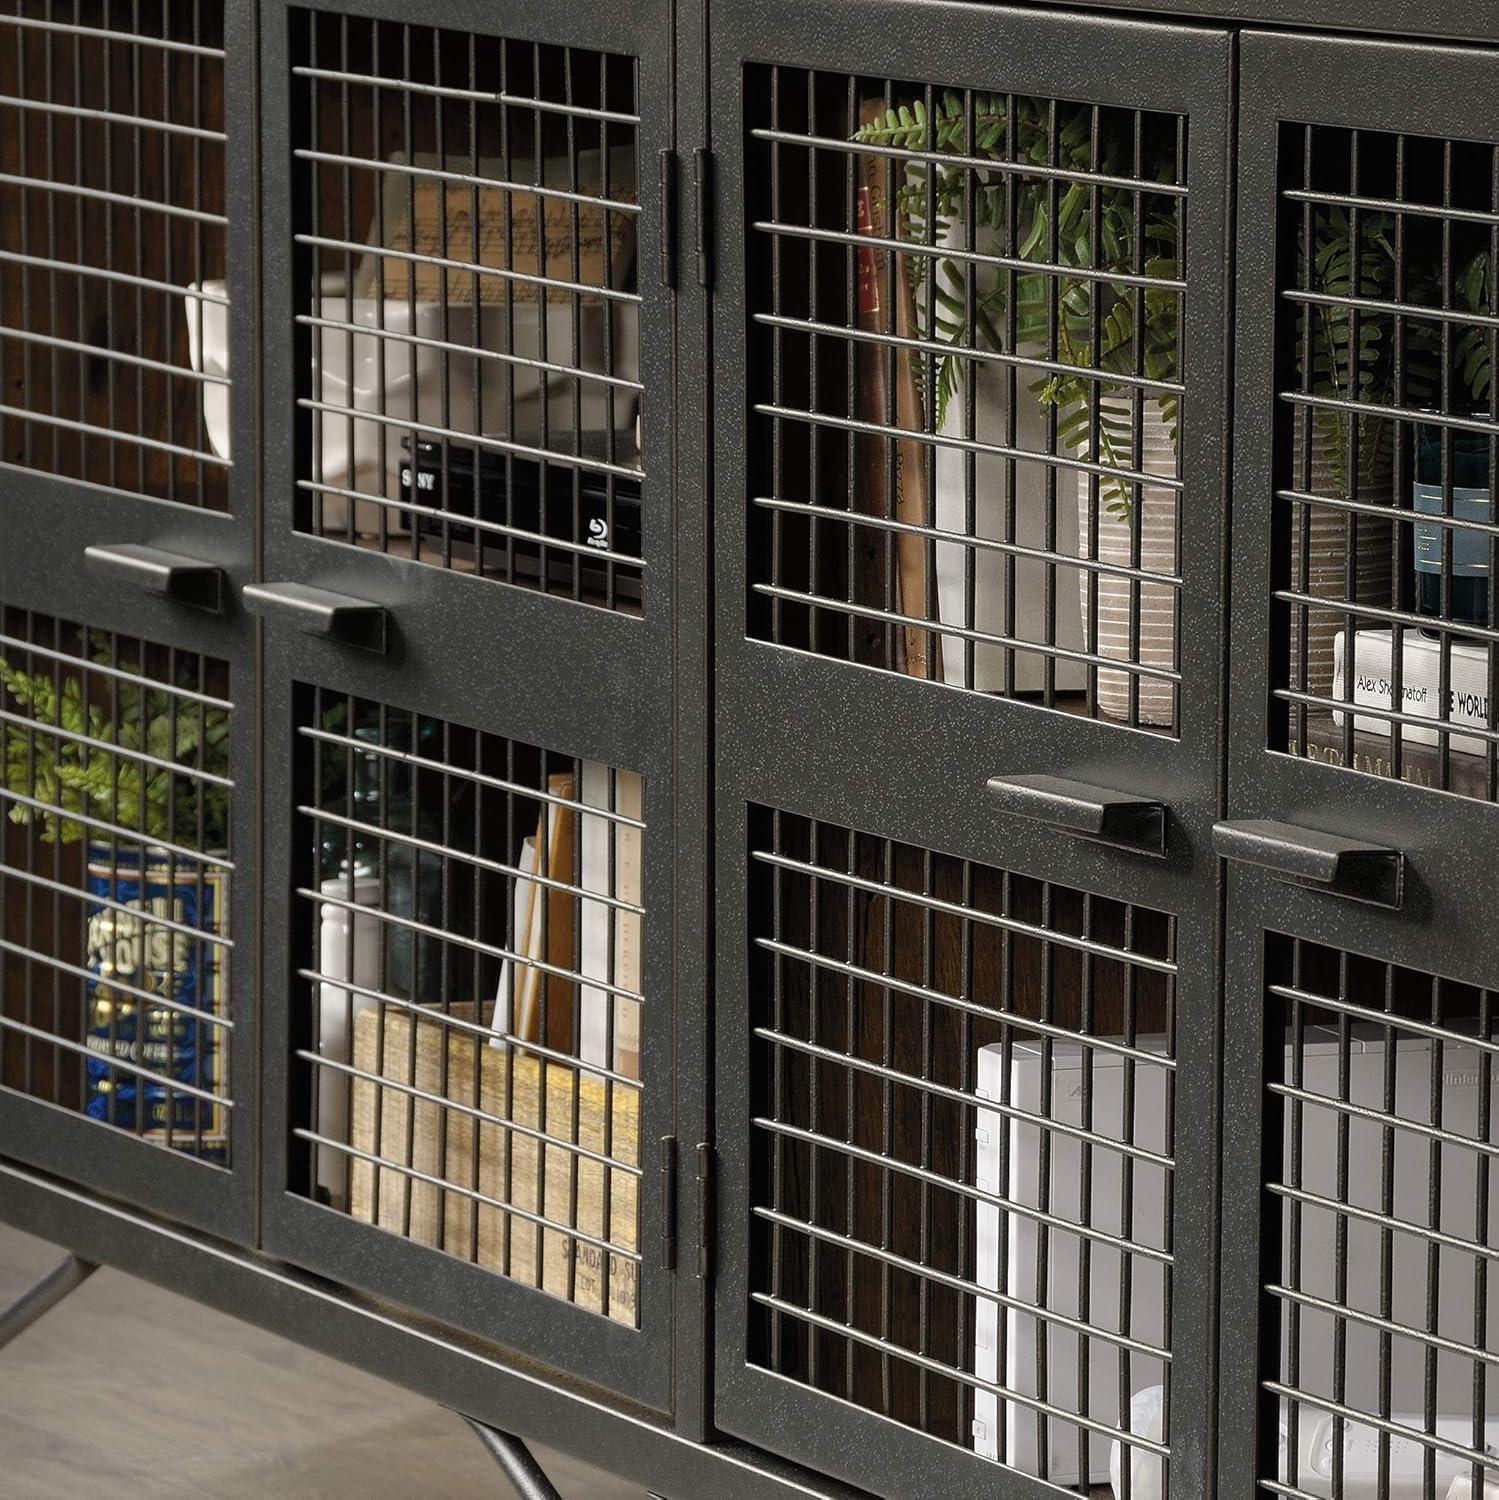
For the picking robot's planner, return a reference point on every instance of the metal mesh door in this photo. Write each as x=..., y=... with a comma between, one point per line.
x=115, y=881
x=1358, y=1323
x=963, y=1147
x=472, y=918
x=127, y=495
x=112, y=256
x=1357, y=1340
x=968, y=511
x=1384, y=1106
x=1368, y=443
x=471, y=307
x=469, y=1040
x=1387, y=306
x=966, y=329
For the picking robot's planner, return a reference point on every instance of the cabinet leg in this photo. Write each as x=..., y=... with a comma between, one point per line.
x=46, y=1294
x=521, y=1469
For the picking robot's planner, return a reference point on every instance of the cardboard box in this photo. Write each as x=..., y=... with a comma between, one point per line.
x=530, y=1194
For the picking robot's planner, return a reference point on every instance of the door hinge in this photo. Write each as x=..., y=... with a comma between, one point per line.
x=706, y=1208
x=702, y=186
x=669, y=215
x=669, y=1202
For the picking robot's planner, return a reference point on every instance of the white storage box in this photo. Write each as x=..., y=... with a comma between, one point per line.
x=371, y=372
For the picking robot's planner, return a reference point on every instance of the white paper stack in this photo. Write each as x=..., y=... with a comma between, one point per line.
x=1045, y=1272
x=1011, y=1256
x=1420, y=685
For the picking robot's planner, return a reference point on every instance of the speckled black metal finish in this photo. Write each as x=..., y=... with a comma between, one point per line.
x=720, y=723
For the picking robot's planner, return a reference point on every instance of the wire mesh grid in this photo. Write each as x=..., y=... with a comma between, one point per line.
x=113, y=305
x=473, y=964
x=114, y=880
x=1381, y=1140
x=468, y=210
x=966, y=311
x=1386, y=466
x=963, y=1084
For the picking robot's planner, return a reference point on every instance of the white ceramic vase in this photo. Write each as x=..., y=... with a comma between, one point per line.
x=990, y=571
x=349, y=945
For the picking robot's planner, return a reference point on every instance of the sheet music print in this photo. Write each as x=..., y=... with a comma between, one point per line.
x=507, y=239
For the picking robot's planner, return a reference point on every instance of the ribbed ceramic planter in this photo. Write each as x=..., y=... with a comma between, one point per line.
x=1156, y=643
x=1327, y=559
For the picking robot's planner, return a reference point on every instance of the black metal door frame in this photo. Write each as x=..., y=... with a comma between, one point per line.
x=1444, y=924
x=1447, y=840
x=1260, y=906
x=46, y=523
x=908, y=760
x=572, y=678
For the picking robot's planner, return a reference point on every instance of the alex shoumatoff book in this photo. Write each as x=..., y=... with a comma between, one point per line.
x=1467, y=700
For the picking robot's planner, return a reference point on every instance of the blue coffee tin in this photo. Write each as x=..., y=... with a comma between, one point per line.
x=143, y=942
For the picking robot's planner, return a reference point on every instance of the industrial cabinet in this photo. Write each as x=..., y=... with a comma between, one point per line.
x=761, y=738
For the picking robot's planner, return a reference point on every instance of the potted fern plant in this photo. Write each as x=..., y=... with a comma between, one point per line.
x=1083, y=219
x=143, y=783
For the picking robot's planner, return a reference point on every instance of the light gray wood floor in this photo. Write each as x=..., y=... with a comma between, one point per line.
x=125, y=1389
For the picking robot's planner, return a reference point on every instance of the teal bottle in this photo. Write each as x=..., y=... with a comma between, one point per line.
x=388, y=873
x=1469, y=471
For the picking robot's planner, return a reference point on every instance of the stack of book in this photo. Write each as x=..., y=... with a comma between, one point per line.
x=1373, y=669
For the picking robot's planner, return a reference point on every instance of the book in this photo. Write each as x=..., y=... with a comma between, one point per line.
x=522, y=495
x=1420, y=686
x=503, y=1018
x=542, y=1001
x=1061, y=1191
x=875, y=276
x=477, y=1175
x=611, y=856
x=602, y=859
x=1373, y=755
x=875, y=585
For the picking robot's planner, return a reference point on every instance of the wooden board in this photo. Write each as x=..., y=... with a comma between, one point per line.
x=520, y=1179
x=1421, y=765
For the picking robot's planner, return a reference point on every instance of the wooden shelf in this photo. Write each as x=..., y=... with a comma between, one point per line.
x=1421, y=765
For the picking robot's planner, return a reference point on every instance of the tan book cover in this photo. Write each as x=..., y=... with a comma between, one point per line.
x=544, y=1001
x=455, y=1113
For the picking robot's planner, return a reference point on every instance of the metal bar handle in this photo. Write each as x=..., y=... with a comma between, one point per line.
x=188, y=580
x=1091, y=812
x=1341, y=866
x=341, y=617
